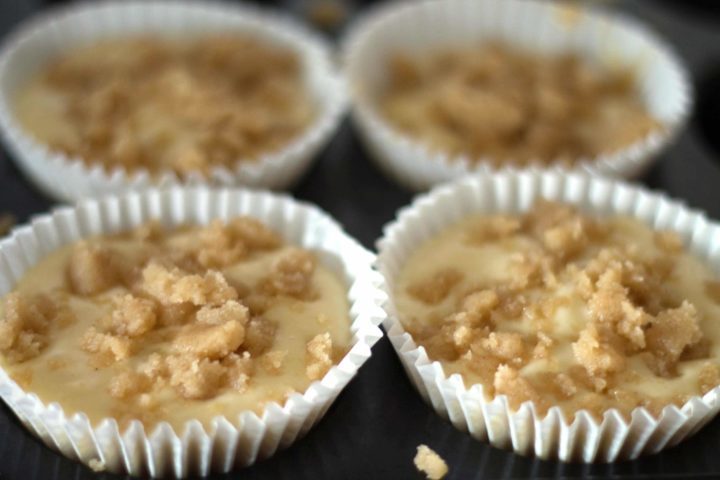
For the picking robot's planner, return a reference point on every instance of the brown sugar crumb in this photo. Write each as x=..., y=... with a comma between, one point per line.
x=565, y=239
x=508, y=382
x=434, y=289
x=598, y=357
x=128, y=384
x=610, y=304
x=217, y=246
x=709, y=377
x=291, y=273
x=105, y=344
x=430, y=463
x=217, y=332
x=318, y=356
x=24, y=325
x=238, y=369
x=254, y=234
x=202, y=378
x=508, y=347
x=462, y=337
x=92, y=269
x=670, y=333
x=133, y=316
x=154, y=367
x=259, y=335
x=175, y=286
x=272, y=362
x=542, y=346
x=195, y=378
x=479, y=305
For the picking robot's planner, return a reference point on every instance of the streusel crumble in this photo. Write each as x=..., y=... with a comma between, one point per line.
x=174, y=324
x=430, y=463
x=565, y=309
x=510, y=106
x=161, y=104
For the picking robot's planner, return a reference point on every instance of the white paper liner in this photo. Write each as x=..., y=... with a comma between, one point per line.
x=525, y=431
x=425, y=25
x=229, y=442
x=45, y=36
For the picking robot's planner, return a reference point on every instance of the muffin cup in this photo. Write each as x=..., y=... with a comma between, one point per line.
x=425, y=25
x=524, y=430
x=228, y=442
x=42, y=38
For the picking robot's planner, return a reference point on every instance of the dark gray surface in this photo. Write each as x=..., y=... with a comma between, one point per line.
x=374, y=426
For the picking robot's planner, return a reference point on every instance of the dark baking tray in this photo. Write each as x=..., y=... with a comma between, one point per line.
x=375, y=424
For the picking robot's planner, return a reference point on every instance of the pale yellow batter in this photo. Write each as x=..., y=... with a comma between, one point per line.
x=108, y=357
x=563, y=309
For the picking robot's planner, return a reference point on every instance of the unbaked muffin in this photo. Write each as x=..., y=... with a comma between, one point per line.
x=172, y=325
x=160, y=104
x=497, y=103
x=561, y=308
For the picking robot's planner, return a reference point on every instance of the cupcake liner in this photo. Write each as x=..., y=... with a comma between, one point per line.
x=228, y=442
x=43, y=37
x=524, y=430
x=422, y=26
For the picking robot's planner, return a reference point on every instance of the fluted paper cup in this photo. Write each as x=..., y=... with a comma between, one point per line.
x=37, y=41
x=426, y=25
x=229, y=442
x=548, y=436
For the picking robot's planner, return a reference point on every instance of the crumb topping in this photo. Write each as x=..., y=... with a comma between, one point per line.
x=559, y=308
x=153, y=323
x=510, y=106
x=319, y=356
x=430, y=463
x=24, y=325
x=92, y=269
x=173, y=285
x=291, y=273
x=146, y=102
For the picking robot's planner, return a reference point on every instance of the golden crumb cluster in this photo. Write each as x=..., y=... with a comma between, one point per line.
x=497, y=103
x=185, y=106
x=560, y=308
x=192, y=313
x=430, y=463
